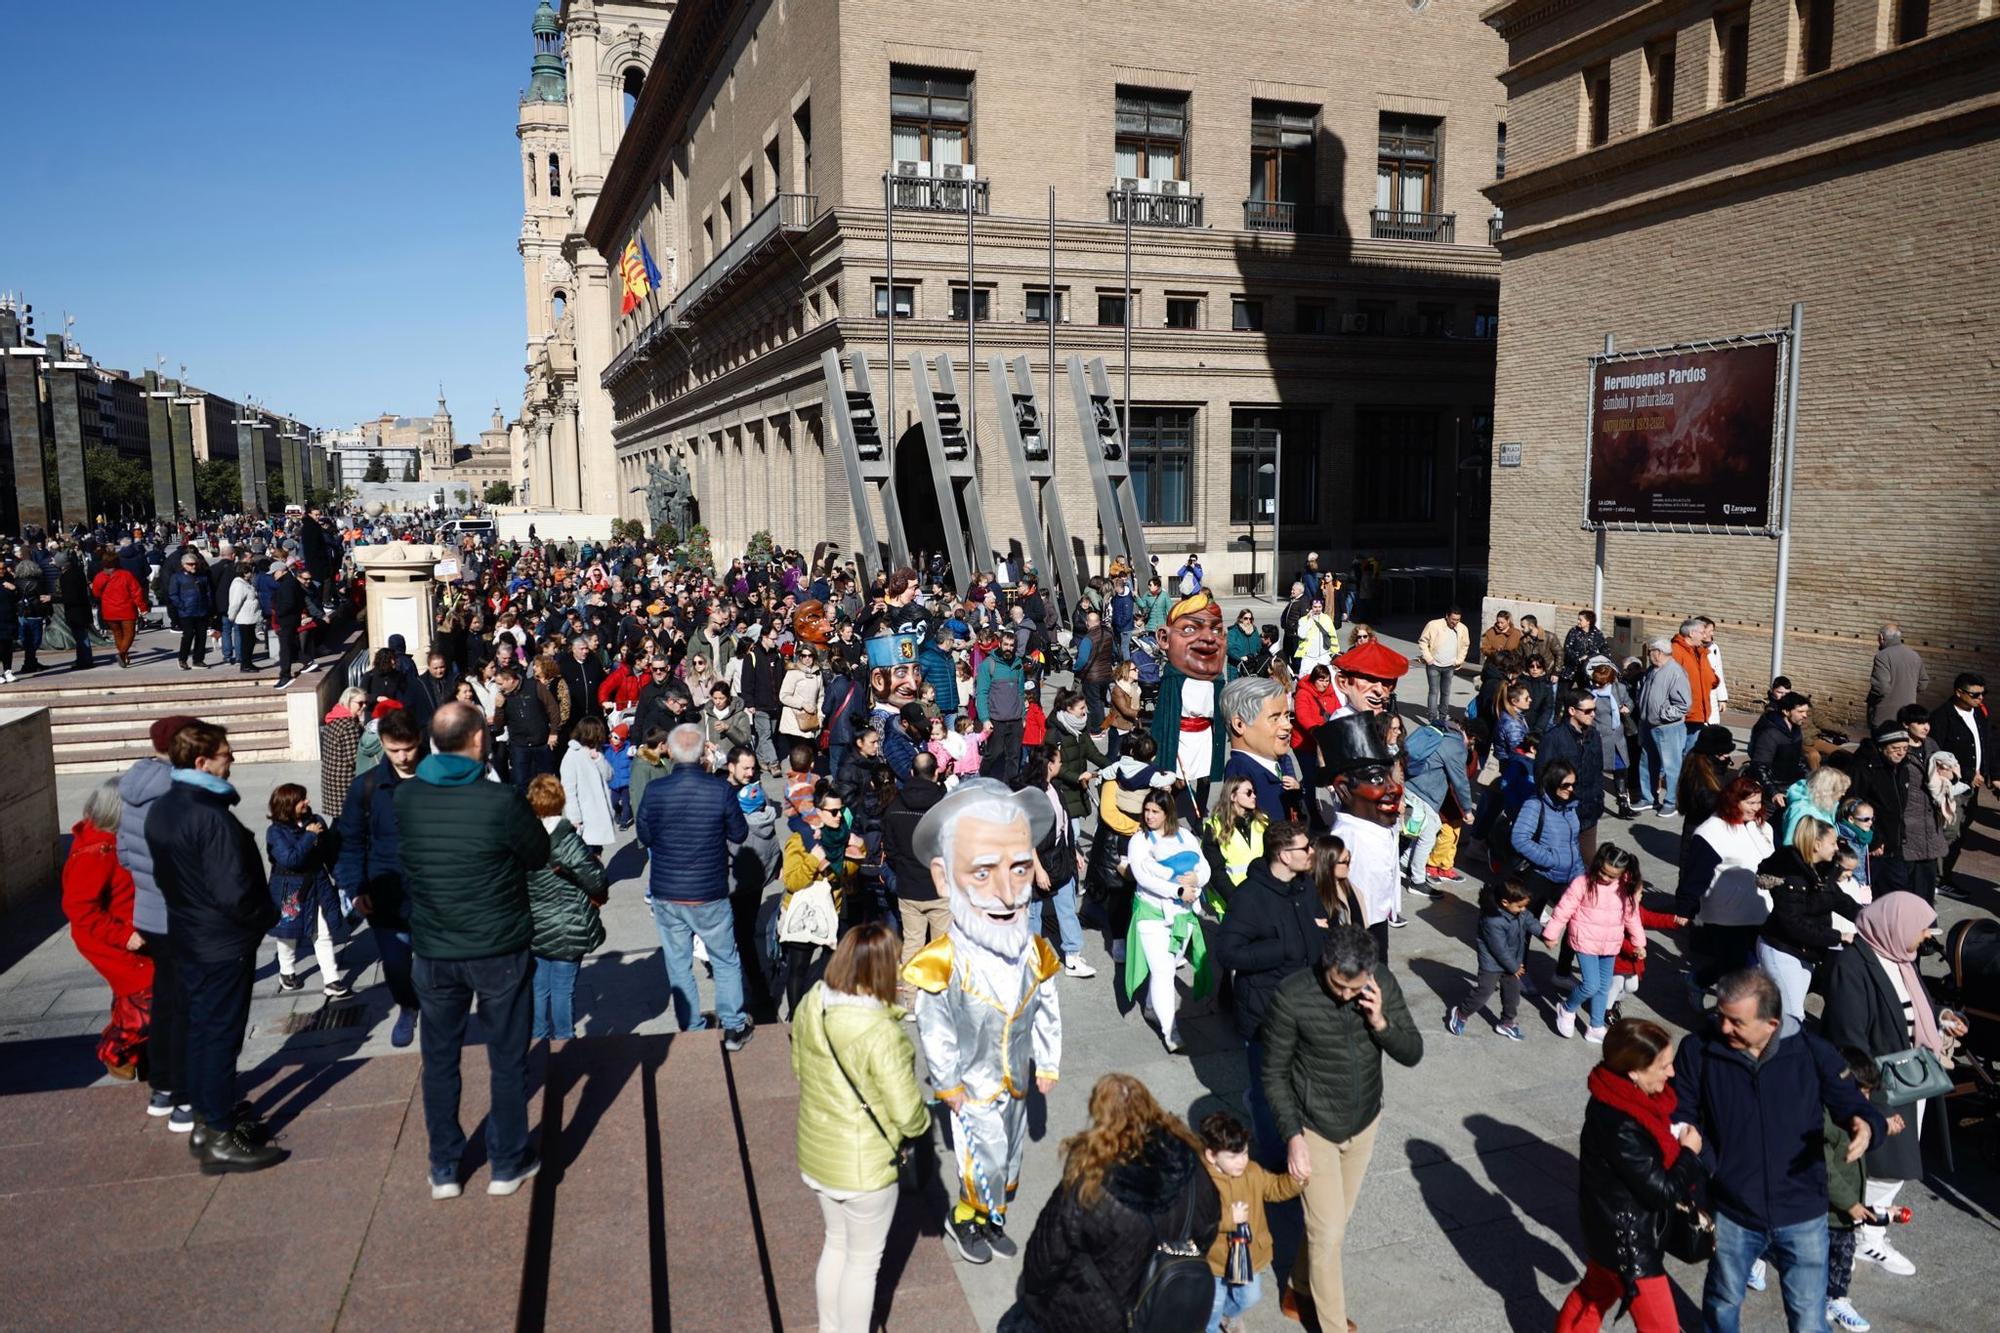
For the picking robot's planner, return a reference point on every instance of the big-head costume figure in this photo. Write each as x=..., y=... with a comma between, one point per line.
x=1370, y=800
x=1184, y=719
x=987, y=1017
x=1365, y=677
x=1258, y=718
x=809, y=624
x=894, y=678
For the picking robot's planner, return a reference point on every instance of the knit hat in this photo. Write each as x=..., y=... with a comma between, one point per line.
x=1714, y=742
x=161, y=733
x=1888, y=733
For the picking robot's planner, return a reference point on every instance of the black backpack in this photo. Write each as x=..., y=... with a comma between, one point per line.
x=1178, y=1292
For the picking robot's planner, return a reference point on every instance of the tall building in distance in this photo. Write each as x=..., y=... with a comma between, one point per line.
x=1684, y=173
x=1313, y=287
x=590, y=60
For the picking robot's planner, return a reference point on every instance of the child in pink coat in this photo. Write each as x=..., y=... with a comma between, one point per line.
x=957, y=752
x=1601, y=910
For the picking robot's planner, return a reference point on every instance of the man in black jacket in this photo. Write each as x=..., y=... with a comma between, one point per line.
x=218, y=907
x=467, y=847
x=1777, y=742
x=1574, y=741
x=1962, y=726
x=925, y=915
x=584, y=675
x=1275, y=927
x=763, y=672
x=221, y=575
x=288, y=607
x=316, y=546
x=531, y=732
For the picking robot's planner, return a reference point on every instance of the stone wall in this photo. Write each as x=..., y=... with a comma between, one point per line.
x=29, y=827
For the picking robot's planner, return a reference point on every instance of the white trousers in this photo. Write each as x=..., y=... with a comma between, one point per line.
x=329, y=966
x=857, y=1230
x=1161, y=961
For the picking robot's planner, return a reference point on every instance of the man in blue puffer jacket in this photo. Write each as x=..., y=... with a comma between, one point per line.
x=686, y=822
x=192, y=599
x=139, y=787
x=369, y=868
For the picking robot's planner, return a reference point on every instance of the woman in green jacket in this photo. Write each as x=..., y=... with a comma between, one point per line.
x=858, y=1101
x=564, y=897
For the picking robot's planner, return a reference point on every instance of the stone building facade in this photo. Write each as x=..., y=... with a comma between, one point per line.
x=1312, y=272
x=590, y=60
x=1681, y=171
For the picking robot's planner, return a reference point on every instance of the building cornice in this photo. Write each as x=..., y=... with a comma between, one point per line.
x=1527, y=15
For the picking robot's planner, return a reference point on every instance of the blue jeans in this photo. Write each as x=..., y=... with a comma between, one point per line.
x=621, y=805
x=1231, y=1301
x=1660, y=757
x=1799, y=1254
x=678, y=924
x=1595, y=969
x=229, y=641
x=1069, y=930
x=1265, y=1143
x=392, y=946
x=555, y=999
x=445, y=987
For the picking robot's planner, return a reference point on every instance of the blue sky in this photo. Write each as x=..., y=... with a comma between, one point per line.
x=313, y=203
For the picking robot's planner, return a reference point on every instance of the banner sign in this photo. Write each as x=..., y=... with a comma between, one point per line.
x=1687, y=437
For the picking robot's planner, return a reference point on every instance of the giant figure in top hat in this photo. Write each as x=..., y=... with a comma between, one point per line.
x=1370, y=799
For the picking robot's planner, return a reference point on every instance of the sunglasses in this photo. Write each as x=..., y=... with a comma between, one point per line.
x=1565, y=786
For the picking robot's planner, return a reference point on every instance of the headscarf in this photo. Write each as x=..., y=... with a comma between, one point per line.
x=1885, y=925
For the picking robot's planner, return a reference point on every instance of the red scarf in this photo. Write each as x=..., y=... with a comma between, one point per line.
x=1651, y=1110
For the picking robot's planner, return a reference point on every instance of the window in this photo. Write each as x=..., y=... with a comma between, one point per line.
x=1281, y=158
x=802, y=125
x=1433, y=321
x=635, y=79
x=1395, y=466
x=555, y=175
x=982, y=303
x=557, y=304
x=708, y=237
x=771, y=177
x=906, y=301
x=1309, y=317
x=534, y=184
x=1486, y=322
x=1246, y=314
x=1111, y=309
x=1500, y=153
x=1597, y=106
x=1160, y=448
x=1913, y=20
x=1732, y=44
x=1183, y=312
x=1371, y=316
x=1660, y=78
x=1151, y=135
x=1044, y=305
x=930, y=115
x=1406, y=164
x=1257, y=435
x=1815, y=20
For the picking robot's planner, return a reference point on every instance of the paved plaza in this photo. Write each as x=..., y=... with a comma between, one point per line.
x=673, y=1188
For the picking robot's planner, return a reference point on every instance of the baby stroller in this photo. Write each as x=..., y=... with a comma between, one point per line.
x=1972, y=986
x=1146, y=656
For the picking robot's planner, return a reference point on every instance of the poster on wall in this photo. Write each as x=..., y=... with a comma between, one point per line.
x=1687, y=437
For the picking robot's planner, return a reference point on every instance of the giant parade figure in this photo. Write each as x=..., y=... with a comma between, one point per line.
x=988, y=1022
x=1184, y=727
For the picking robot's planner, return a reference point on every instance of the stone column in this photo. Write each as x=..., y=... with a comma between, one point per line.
x=563, y=478
x=542, y=473
x=65, y=415
x=245, y=474
x=180, y=440
x=260, y=464
x=159, y=435
x=21, y=367
x=289, y=462
x=402, y=594
x=596, y=448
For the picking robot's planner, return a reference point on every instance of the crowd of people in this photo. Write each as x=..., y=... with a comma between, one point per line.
x=891, y=816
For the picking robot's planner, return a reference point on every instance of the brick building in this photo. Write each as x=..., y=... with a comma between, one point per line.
x=1312, y=268
x=1681, y=171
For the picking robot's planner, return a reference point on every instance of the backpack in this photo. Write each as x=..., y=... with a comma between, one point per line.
x=1178, y=1292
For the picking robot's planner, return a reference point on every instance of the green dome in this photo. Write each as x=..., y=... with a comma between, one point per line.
x=546, y=23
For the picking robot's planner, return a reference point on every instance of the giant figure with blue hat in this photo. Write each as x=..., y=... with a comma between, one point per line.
x=894, y=678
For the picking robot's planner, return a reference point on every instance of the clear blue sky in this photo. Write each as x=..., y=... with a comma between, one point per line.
x=312, y=203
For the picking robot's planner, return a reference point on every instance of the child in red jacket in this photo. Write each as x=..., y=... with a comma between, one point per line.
x=1630, y=964
x=97, y=898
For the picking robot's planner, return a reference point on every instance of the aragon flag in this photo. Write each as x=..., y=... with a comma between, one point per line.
x=641, y=276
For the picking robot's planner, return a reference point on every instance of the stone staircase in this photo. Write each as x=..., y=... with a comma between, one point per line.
x=100, y=723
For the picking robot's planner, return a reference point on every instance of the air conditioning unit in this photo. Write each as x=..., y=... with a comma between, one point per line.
x=1130, y=184
x=1354, y=323
x=910, y=170
x=1177, y=189
x=1149, y=186
x=958, y=171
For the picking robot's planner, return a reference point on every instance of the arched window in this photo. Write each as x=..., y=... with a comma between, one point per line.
x=555, y=175
x=635, y=79
x=534, y=186
x=557, y=304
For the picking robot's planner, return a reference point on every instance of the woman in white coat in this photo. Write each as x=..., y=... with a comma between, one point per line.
x=1169, y=871
x=800, y=695
x=586, y=781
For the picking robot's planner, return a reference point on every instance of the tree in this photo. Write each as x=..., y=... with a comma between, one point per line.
x=499, y=492
x=762, y=547
x=218, y=486
x=115, y=484
x=701, y=553
x=410, y=470
x=378, y=470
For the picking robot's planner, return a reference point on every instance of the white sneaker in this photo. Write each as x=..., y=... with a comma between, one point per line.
x=1877, y=1249
x=1565, y=1021
x=1841, y=1313
x=1595, y=1036
x=1076, y=967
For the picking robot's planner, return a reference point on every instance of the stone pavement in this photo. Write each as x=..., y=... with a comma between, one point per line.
x=1467, y=1219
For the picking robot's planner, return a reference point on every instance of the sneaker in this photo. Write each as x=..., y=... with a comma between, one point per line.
x=1173, y=1042
x=1840, y=1312
x=181, y=1121
x=237, y=1150
x=444, y=1184
x=1759, y=1276
x=1668, y=812
x=1879, y=1250
x=160, y=1104
x=1565, y=1022
x=1076, y=967
x=1434, y=872
x=528, y=1173
x=969, y=1238
x=1398, y=920
x=999, y=1241
x=405, y=1030
x=337, y=990
x=1642, y=807
x=1453, y=1023
x=1595, y=1036
x=280, y=684
x=1511, y=1031
x=737, y=1039
x=290, y=981
x=1450, y=873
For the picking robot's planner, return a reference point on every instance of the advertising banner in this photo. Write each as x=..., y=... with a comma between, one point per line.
x=1686, y=437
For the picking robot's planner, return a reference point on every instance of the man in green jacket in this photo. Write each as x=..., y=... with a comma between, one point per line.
x=468, y=846
x=1325, y=1033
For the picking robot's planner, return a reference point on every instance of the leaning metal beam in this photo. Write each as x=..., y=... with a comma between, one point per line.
x=1022, y=426
x=1110, y=472
x=857, y=432
x=954, y=462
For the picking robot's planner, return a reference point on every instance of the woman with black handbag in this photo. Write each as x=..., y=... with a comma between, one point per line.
x=858, y=1103
x=1635, y=1186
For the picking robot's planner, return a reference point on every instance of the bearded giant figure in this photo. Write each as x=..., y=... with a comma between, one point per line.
x=988, y=1021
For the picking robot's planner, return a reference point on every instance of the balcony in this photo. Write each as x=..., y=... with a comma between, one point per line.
x=936, y=194
x=1493, y=229
x=1388, y=224
x=1155, y=210
x=1275, y=215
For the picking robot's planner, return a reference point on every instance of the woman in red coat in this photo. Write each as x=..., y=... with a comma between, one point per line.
x=1315, y=702
x=97, y=899
x=122, y=599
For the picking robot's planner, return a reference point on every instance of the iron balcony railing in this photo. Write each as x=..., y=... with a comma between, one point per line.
x=1290, y=218
x=1493, y=229
x=1155, y=210
x=1388, y=224
x=937, y=194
